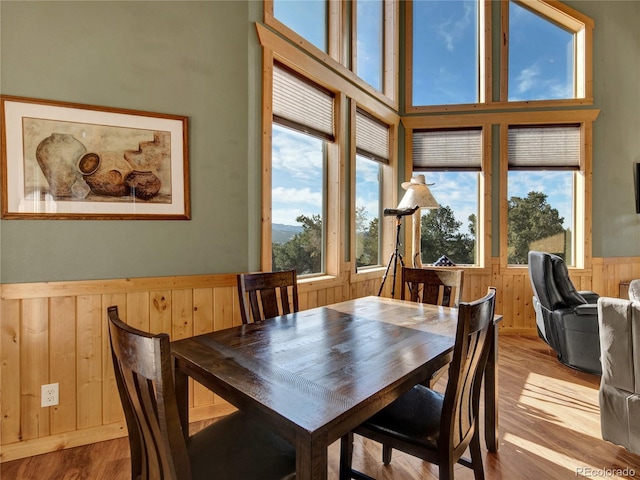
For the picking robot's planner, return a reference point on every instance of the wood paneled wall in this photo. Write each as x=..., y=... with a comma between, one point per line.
x=57, y=333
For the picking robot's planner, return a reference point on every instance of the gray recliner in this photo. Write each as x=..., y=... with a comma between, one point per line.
x=566, y=319
x=619, y=393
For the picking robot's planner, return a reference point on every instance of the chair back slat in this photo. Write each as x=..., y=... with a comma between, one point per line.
x=267, y=295
x=471, y=350
x=435, y=286
x=143, y=374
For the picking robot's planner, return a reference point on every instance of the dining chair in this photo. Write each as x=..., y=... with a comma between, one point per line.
x=233, y=447
x=430, y=425
x=267, y=294
x=436, y=286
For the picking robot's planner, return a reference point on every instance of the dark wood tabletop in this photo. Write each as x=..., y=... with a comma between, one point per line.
x=316, y=374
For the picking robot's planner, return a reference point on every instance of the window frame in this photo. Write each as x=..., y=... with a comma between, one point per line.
x=387, y=196
x=582, y=241
x=556, y=12
x=390, y=45
x=340, y=45
x=484, y=64
x=338, y=218
x=570, y=19
x=484, y=225
x=333, y=174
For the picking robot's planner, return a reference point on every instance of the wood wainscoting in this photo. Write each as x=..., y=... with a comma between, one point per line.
x=57, y=333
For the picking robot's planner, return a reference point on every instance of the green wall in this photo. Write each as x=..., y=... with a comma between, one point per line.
x=199, y=59
x=616, y=132
x=202, y=59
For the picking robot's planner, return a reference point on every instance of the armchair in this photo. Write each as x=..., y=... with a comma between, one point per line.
x=619, y=393
x=566, y=319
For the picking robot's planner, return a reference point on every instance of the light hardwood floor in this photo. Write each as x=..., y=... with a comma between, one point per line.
x=549, y=429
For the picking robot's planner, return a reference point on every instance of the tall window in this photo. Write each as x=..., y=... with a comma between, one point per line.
x=372, y=153
x=542, y=69
x=308, y=18
x=556, y=66
x=369, y=38
x=303, y=123
x=543, y=163
x=446, y=43
x=452, y=161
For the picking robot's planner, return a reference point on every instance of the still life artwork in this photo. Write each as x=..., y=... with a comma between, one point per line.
x=71, y=161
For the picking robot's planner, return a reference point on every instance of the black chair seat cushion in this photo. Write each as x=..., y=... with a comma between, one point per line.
x=413, y=418
x=236, y=447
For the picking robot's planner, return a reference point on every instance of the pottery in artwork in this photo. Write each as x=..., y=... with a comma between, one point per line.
x=155, y=157
x=143, y=185
x=105, y=173
x=57, y=156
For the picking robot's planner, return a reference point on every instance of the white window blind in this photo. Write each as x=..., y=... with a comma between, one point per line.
x=372, y=137
x=545, y=146
x=447, y=149
x=302, y=105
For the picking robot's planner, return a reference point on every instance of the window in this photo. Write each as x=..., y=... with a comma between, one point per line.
x=369, y=41
x=556, y=65
x=314, y=113
x=452, y=159
x=372, y=153
x=303, y=125
x=446, y=64
x=308, y=18
x=368, y=192
x=544, y=162
x=540, y=70
x=359, y=37
x=298, y=203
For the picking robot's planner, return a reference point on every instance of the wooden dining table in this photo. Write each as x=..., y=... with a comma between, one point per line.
x=316, y=374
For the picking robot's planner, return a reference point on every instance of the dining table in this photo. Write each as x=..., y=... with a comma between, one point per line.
x=316, y=374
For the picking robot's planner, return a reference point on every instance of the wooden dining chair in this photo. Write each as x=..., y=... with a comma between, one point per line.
x=267, y=294
x=233, y=447
x=430, y=425
x=436, y=286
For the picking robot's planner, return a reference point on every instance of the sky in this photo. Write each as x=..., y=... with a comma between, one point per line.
x=444, y=72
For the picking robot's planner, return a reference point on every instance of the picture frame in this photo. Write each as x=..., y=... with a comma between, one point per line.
x=65, y=160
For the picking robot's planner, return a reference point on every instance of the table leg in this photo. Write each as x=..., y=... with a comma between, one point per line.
x=491, y=394
x=311, y=459
x=182, y=398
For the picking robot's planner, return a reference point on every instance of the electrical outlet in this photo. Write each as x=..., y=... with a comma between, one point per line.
x=49, y=395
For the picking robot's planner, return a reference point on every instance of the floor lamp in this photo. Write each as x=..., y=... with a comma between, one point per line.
x=417, y=194
x=416, y=197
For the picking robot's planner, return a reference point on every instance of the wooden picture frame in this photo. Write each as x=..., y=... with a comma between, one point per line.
x=72, y=161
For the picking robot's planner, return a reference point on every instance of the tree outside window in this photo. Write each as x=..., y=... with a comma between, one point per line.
x=298, y=163
x=368, y=177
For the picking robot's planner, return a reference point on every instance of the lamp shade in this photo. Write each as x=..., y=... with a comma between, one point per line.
x=417, y=193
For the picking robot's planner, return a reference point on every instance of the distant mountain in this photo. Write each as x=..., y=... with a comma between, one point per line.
x=283, y=233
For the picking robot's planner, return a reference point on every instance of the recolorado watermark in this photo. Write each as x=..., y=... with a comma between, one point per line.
x=591, y=472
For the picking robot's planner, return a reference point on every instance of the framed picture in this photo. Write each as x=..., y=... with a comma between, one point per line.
x=72, y=161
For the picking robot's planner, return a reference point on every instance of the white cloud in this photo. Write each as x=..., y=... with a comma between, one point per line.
x=527, y=78
x=295, y=155
x=297, y=196
x=453, y=30
x=289, y=203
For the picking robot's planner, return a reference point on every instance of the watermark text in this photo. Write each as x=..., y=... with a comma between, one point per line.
x=591, y=472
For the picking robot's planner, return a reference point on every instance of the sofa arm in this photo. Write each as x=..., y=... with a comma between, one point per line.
x=589, y=296
x=614, y=318
x=586, y=309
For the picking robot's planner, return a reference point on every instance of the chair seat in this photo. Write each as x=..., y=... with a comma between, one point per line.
x=237, y=447
x=413, y=418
